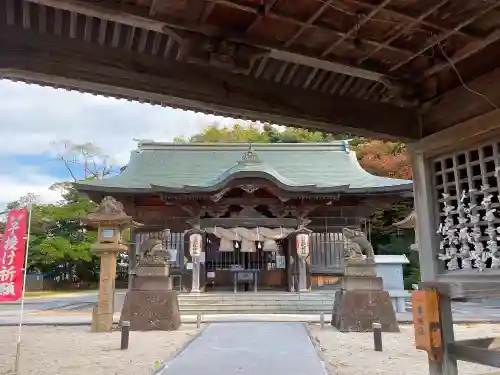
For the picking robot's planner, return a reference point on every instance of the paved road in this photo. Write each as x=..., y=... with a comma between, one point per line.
x=72, y=308
x=76, y=302
x=249, y=349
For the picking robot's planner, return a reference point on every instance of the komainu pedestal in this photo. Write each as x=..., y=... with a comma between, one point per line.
x=152, y=305
x=362, y=301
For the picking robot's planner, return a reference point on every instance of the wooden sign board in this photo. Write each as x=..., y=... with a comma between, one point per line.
x=427, y=323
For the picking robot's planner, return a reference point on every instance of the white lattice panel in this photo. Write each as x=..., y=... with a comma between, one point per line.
x=469, y=209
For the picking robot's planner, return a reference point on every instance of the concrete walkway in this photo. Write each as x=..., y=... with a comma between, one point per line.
x=249, y=349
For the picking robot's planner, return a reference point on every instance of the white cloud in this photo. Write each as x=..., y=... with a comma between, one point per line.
x=33, y=117
x=27, y=180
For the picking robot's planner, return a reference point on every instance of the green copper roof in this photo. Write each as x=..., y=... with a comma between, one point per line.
x=183, y=168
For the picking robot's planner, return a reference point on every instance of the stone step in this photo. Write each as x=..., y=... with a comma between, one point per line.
x=254, y=296
x=238, y=300
x=255, y=309
x=257, y=303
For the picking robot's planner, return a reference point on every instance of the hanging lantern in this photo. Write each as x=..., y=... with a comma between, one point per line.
x=302, y=243
x=258, y=243
x=195, y=244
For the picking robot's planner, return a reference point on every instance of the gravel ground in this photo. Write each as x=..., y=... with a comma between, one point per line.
x=77, y=351
x=353, y=354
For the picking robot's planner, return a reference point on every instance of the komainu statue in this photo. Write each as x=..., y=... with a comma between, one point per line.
x=358, y=245
x=153, y=251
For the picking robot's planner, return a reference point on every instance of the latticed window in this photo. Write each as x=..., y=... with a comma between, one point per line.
x=469, y=215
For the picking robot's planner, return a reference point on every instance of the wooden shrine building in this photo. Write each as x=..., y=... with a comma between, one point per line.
x=248, y=199
x=424, y=72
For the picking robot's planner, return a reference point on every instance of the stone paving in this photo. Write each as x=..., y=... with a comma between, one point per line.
x=76, y=310
x=249, y=349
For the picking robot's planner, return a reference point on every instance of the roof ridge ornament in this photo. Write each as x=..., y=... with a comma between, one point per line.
x=250, y=156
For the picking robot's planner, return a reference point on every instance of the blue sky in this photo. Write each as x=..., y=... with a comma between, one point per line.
x=33, y=118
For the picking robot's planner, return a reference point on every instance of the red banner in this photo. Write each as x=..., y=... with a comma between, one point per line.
x=12, y=248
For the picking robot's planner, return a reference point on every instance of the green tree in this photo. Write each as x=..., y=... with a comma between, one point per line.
x=60, y=244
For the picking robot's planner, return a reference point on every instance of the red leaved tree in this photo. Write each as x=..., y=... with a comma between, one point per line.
x=388, y=159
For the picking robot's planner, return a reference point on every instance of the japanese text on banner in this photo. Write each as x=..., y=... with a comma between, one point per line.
x=12, y=248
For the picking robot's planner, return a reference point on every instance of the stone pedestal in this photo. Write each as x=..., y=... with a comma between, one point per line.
x=152, y=305
x=195, y=287
x=362, y=301
x=102, y=314
x=302, y=275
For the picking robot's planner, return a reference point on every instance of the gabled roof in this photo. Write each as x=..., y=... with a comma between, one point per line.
x=187, y=168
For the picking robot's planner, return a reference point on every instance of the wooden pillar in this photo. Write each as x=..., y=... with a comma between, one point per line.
x=426, y=226
x=426, y=214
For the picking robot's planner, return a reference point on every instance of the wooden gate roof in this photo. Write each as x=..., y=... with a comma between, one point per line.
x=197, y=168
x=391, y=68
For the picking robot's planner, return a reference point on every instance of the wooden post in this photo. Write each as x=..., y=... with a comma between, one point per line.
x=377, y=337
x=125, y=335
x=426, y=226
x=425, y=210
x=448, y=366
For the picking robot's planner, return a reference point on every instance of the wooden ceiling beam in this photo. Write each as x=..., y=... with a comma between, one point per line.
x=108, y=14
x=300, y=23
x=75, y=64
x=407, y=27
x=469, y=50
x=309, y=22
x=170, y=27
x=327, y=65
x=356, y=27
x=438, y=39
x=479, y=96
x=267, y=8
x=152, y=7
x=207, y=10
x=411, y=18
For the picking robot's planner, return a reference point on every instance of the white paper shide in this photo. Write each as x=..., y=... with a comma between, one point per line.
x=469, y=232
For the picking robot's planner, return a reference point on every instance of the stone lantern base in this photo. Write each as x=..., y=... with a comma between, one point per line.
x=362, y=301
x=152, y=305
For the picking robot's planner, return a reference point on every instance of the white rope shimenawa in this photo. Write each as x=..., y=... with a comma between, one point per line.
x=249, y=237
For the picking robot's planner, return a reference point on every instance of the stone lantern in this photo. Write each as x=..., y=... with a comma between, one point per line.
x=110, y=220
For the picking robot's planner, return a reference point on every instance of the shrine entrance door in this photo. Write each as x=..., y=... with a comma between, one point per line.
x=272, y=268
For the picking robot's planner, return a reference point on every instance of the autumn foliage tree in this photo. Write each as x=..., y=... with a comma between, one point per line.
x=388, y=159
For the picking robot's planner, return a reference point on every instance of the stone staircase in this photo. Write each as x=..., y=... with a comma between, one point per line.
x=256, y=303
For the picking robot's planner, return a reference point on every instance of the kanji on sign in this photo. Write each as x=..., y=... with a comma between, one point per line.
x=12, y=250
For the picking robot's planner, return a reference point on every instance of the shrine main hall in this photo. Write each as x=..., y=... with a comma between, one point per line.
x=248, y=201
